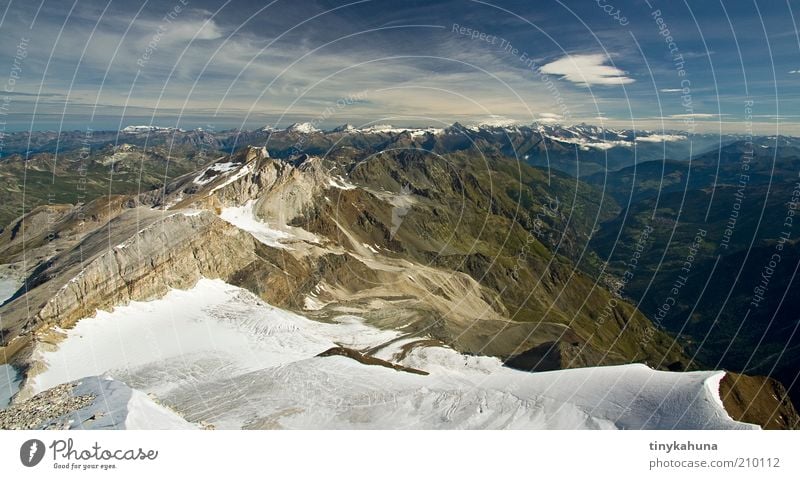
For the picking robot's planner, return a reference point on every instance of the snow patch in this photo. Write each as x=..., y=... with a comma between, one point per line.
x=219, y=168
x=340, y=183
x=313, y=304
x=239, y=174
x=243, y=217
x=192, y=212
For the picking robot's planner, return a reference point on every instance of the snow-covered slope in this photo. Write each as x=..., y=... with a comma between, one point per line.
x=243, y=217
x=117, y=406
x=216, y=353
x=275, y=235
x=92, y=403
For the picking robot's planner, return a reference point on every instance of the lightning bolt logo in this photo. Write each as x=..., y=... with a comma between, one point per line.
x=31, y=452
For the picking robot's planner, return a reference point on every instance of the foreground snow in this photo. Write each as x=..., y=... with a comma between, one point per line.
x=216, y=353
x=214, y=323
x=116, y=406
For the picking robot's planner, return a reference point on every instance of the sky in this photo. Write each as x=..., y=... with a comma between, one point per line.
x=704, y=66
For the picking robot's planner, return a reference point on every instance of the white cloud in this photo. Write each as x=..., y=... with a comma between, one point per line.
x=694, y=115
x=670, y=90
x=794, y=71
x=547, y=117
x=184, y=31
x=587, y=70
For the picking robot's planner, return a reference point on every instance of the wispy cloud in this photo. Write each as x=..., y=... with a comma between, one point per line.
x=694, y=115
x=698, y=54
x=546, y=117
x=590, y=69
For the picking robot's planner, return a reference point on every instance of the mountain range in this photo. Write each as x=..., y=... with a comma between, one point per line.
x=306, y=278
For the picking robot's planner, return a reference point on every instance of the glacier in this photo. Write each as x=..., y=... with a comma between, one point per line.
x=219, y=355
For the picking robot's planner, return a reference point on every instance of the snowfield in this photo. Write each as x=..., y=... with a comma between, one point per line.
x=216, y=353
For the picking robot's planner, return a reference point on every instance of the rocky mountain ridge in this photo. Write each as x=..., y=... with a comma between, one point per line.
x=320, y=235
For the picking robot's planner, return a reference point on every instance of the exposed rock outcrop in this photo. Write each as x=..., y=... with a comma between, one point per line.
x=553, y=355
x=758, y=400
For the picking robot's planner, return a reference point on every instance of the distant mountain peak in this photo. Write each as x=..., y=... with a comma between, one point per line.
x=147, y=128
x=304, y=127
x=494, y=121
x=343, y=128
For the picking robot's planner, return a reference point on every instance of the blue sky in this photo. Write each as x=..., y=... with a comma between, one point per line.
x=216, y=64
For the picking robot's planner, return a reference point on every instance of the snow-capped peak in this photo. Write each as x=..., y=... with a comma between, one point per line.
x=344, y=128
x=381, y=129
x=145, y=128
x=494, y=121
x=414, y=132
x=304, y=127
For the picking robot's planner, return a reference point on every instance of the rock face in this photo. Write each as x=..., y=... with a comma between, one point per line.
x=553, y=355
x=758, y=400
x=170, y=253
